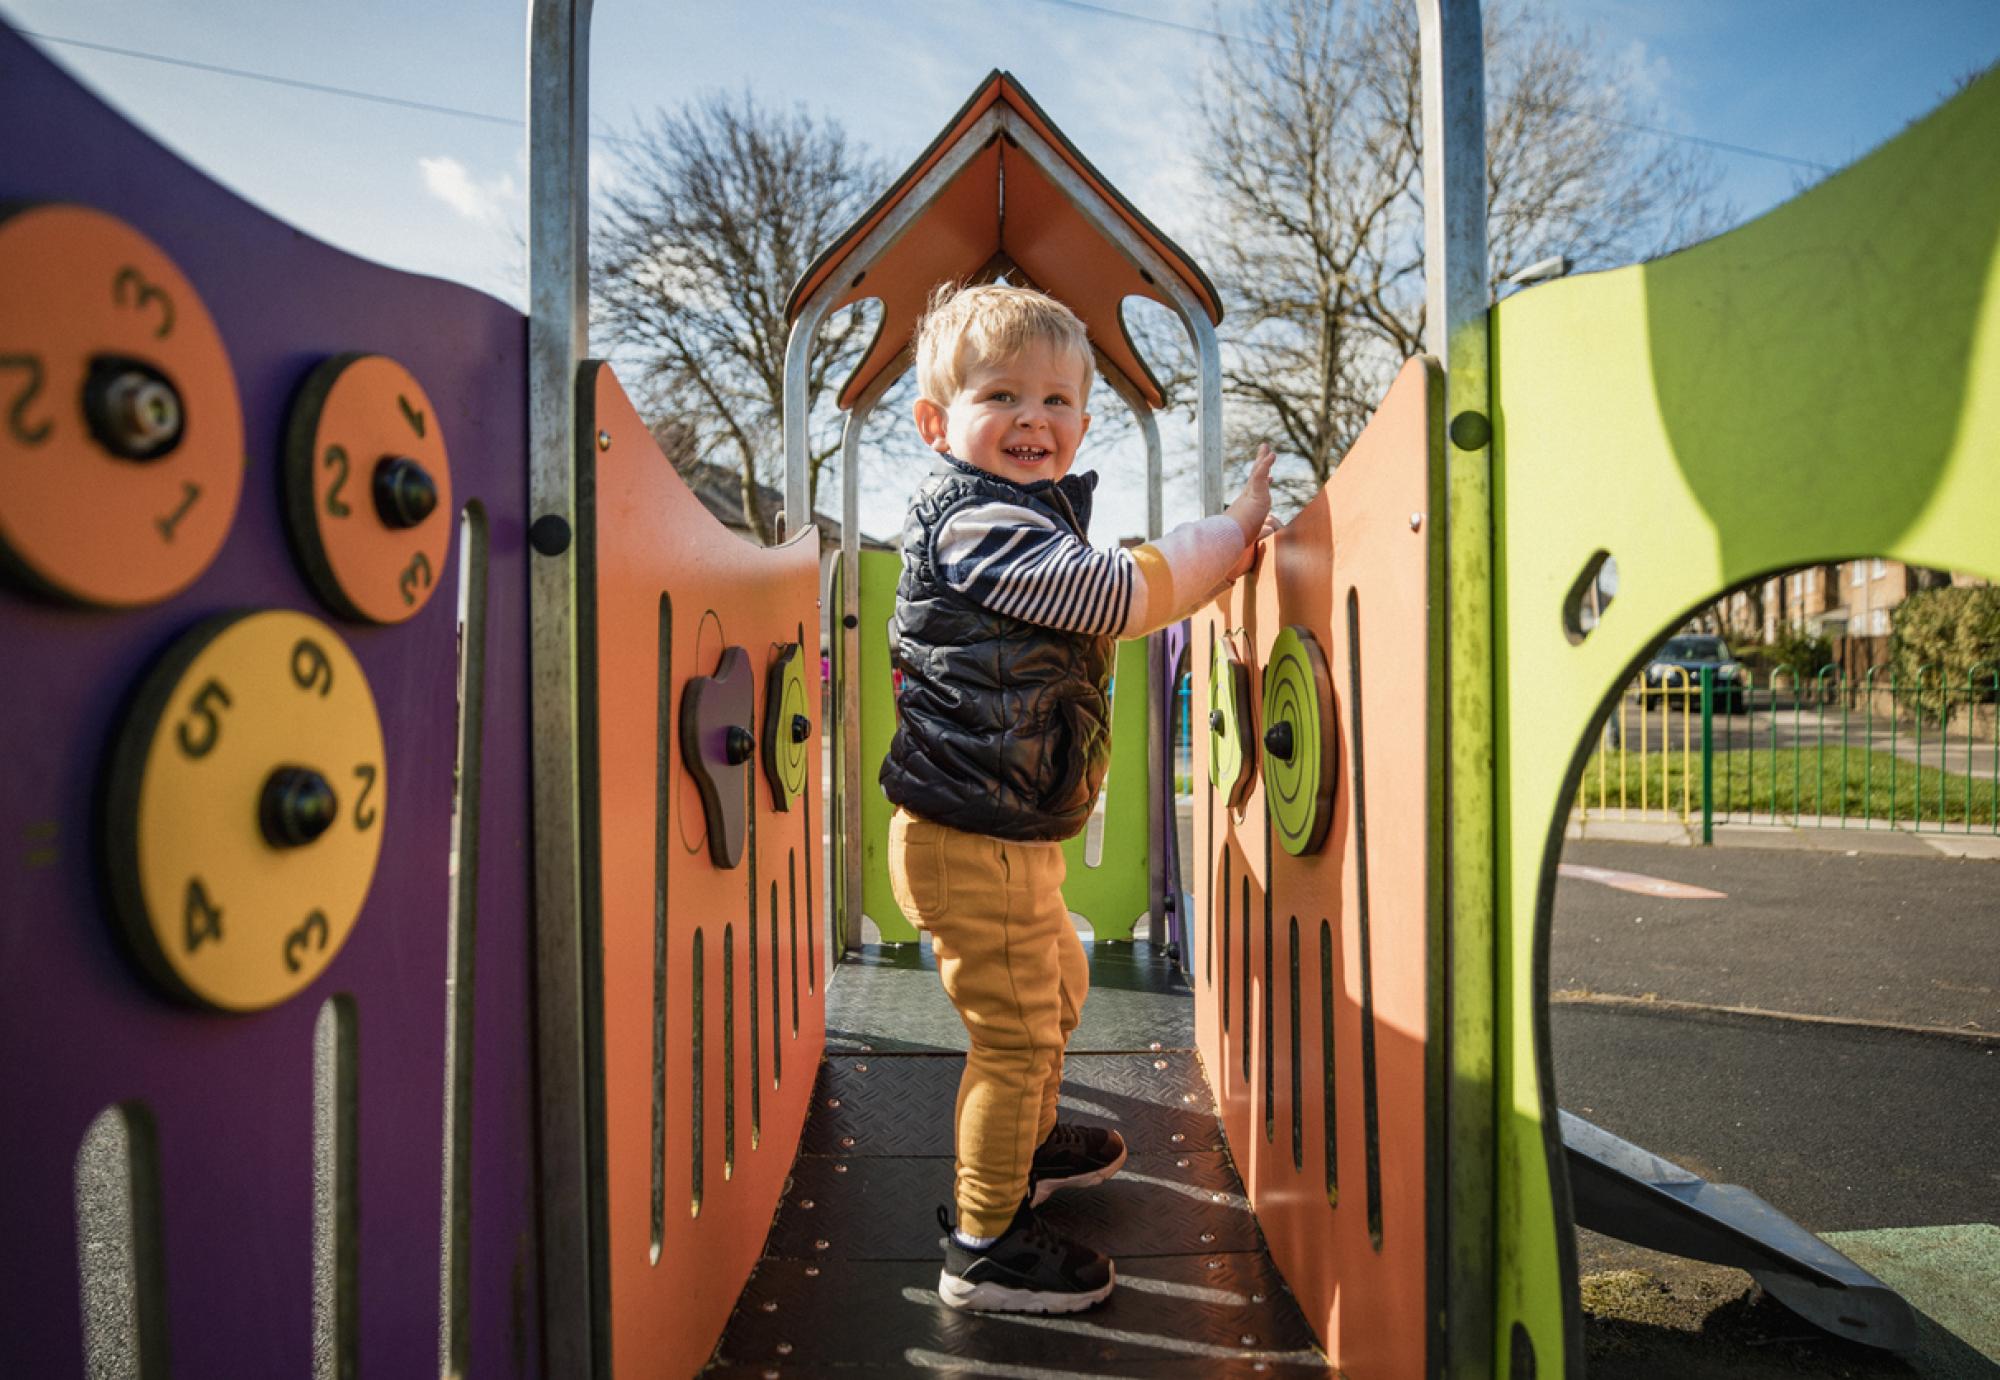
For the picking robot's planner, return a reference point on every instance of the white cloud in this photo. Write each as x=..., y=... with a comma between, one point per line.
x=1645, y=76
x=494, y=202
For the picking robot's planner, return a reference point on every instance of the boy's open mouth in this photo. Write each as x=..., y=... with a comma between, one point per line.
x=1027, y=455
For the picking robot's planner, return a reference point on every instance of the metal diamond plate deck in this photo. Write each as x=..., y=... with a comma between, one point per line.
x=873, y=1208
x=888, y=997
x=901, y=1104
x=1170, y=1315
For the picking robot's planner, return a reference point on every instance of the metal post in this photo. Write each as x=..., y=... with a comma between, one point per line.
x=1707, y=754
x=853, y=854
x=574, y=1293
x=1457, y=299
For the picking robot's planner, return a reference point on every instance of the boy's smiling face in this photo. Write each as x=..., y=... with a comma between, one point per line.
x=1020, y=418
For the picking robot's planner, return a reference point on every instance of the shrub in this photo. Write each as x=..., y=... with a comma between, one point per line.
x=1798, y=653
x=1945, y=645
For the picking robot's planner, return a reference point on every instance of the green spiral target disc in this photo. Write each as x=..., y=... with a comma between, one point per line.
x=787, y=727
x=1298, y=741
x=1231, y=750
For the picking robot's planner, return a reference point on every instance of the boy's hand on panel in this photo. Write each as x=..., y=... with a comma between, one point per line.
x=1251, y=510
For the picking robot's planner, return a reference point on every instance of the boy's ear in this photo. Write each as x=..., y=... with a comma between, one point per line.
x=1086, y=428
x=931, y=422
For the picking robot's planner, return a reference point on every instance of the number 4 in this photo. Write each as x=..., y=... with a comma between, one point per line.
x=202, y=918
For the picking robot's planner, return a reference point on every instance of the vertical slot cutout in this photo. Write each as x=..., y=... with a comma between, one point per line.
x=1223, y=921
x=1298, y=1110
x=1270, y=1057
x=792, y=948
x=791, y=871
x=755, y=1027
x=663, y=791
x=461, y=933
x=695, y=1098
x=777, y=997
x=1245, y=959
x=1329, y=1098
x=729, y=1051
x=119, y=1248
x=1370, y=1115
x=335, y=1191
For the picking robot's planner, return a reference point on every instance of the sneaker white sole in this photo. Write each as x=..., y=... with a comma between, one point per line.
x=1045, y=1187
x=997, y=1298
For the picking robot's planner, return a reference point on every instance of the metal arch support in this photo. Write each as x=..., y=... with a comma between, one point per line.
x=574, y=1287
x=1149, y=428
x=1463, y=1073
x=852, y=855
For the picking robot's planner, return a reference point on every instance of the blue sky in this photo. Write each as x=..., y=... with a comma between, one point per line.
x=1818, y=80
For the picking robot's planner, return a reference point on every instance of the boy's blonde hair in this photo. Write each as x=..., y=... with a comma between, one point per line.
x=963, y=327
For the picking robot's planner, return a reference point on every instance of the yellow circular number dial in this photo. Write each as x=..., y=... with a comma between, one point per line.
x=246, y=802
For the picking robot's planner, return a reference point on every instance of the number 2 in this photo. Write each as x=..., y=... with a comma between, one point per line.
x=17, y=415
x=336, y=458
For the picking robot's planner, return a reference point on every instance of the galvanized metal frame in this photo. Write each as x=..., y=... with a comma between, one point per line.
x=573, y=1293
x=1457, y=304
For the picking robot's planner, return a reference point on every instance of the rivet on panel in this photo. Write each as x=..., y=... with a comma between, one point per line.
x=769, y=1305
x=1187, y=1097
x=1208, y=1238
x=847, y=1142
x=812, y=1272
x=806, y=1203
x=604, y=440
x=1181, y=1163
x=821, y=1244
x=1215, y=1197
x=1159, y=1063
x=861, y=1068
x=783, y=1348
x=840, y=1169
x=1212, y=1264
x=833, y=1102
x=1416, y=521
x=1256, y=1298
x=1178, y=1137
x=1247, y=1339
x=1154, y=1046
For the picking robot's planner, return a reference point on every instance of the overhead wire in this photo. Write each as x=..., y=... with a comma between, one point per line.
x=1083, y=6
x=1720, y=145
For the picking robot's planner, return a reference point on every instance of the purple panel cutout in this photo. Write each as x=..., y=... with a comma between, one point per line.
x=80, y=1028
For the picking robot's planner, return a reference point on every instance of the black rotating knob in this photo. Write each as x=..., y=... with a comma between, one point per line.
x=297, y=807
x=802, y=728
x=1216, y=721
x=738, y=746
x=133, y=409
x=405, y=494
x=1278, y=740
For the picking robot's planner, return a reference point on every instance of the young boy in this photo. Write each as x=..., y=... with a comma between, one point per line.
x=1004, y=633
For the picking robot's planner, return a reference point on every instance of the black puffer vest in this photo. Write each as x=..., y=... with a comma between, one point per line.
x=1003, y=727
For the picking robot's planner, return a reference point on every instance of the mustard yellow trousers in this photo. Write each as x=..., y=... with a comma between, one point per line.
x=1013, y=966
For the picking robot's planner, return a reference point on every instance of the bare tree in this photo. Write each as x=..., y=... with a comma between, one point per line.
x=1314, y=155
x=719, y=207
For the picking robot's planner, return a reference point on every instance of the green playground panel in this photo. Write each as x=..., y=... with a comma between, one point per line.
x=1820, y=384
x=1111, y=895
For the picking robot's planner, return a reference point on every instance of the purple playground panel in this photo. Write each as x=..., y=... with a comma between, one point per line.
x=231, y=1096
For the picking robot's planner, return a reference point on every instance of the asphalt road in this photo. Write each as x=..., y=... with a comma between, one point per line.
x=1841, y=1127
x=1908, y=940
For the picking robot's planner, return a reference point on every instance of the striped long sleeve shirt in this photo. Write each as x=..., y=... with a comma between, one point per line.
x=1015, y=561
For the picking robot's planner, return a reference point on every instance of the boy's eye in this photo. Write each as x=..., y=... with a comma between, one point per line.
x=1055, y=400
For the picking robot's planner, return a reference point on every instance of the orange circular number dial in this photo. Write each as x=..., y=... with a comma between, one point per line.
x=121, y=436
x=368, y=488
x=245, y=809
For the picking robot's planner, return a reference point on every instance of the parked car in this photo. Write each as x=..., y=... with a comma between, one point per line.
x=1675, y=671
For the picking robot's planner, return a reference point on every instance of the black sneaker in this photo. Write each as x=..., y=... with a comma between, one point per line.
x=1075, y=1157
x=1029, y=1269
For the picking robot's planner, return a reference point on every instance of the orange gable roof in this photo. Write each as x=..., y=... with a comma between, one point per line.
x=1001, y=212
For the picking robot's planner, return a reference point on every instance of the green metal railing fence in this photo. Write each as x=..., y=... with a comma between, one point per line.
x=1827, y=750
